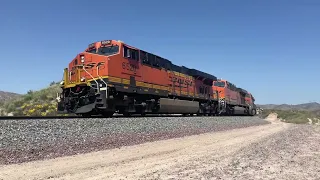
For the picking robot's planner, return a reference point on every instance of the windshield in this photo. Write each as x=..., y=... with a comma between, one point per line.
x=92, y=50
x=219, y=84
x=106, y=51
x=253, y=99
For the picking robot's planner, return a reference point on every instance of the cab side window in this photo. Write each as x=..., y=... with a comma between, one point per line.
x=130, y=53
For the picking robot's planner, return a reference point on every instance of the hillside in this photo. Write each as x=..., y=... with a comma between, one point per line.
x=34, y=103
x=5, y=96
x=299, y=113
x=303, y=107
x=293, y=116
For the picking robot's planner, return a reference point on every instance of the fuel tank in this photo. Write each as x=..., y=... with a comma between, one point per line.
x=240, y=110
x=178, y=106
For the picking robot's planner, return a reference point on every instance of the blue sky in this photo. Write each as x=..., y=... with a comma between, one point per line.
x=271, y=48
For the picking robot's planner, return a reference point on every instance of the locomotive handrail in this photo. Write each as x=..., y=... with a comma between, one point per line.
x=98, y=89
x=102, y=81
x=101, y=77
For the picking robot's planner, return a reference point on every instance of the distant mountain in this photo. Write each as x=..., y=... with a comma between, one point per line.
x=313, y=106
x=4, y=96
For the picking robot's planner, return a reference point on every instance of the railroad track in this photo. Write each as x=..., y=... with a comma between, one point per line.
x=75, y=116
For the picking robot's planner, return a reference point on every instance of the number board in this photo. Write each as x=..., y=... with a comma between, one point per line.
x=106, y=42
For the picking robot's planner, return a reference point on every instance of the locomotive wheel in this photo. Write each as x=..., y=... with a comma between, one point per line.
x=127, y=114
x=86, y=115
x=107, y=114
x=253, y=112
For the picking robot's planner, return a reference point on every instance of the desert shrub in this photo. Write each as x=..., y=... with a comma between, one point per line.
x=53, y=83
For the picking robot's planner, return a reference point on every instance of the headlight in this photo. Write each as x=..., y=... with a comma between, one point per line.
x=82, y=58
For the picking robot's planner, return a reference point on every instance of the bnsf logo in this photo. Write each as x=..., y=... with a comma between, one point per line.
x=92, y=65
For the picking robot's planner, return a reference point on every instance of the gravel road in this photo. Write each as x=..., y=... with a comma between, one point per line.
x=22, y=141
x=289, y=155
x=271, y=151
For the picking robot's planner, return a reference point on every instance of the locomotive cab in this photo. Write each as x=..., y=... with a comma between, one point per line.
x=219, y=86
x=234, y=100
x=92, y=63
x=86, y=78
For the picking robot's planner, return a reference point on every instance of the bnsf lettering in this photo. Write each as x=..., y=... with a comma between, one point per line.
x=129, y=67
x=182, y=81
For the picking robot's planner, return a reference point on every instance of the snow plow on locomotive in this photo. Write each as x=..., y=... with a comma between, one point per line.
x=112, y=77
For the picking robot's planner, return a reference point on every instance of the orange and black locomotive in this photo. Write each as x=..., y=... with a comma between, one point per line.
x=112, y=77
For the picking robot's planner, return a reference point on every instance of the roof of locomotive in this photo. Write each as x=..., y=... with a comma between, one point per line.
x=237, y=88
x=167, y=63
x=180, y=69
x=242, y=90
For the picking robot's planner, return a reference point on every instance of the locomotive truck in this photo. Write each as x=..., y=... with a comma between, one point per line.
x=111, y=76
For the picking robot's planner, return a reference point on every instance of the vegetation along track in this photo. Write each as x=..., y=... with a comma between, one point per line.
x=22, y=141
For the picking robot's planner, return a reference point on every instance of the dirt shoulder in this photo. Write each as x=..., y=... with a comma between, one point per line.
x=239, y=153
x=293, y=154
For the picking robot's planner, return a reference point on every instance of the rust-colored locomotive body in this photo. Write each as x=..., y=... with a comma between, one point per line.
x=233, y=100
x=111, y=76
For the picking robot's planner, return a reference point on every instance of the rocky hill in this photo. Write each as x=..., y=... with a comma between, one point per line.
x=313, y=106
x=299, y=113
x=5, y=96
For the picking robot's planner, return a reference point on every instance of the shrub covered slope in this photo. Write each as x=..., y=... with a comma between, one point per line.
x=293, y=116
x=34, y=103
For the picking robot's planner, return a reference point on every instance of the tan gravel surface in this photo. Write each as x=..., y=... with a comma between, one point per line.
x=30, y=140
x=272, y=151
